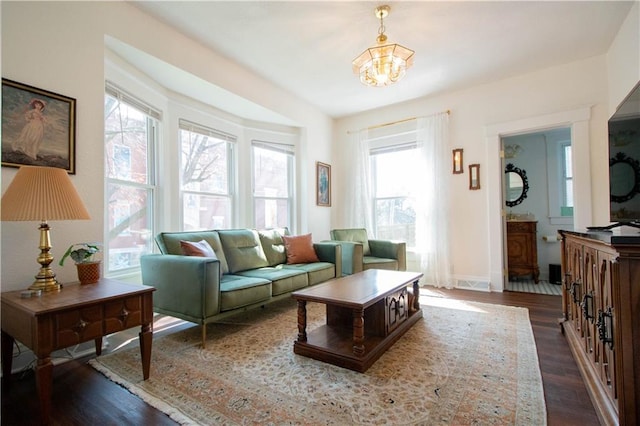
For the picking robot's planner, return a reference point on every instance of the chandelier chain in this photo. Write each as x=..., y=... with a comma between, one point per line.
x=382, y=29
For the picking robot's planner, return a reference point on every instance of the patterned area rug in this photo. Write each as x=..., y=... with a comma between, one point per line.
x=463, y=363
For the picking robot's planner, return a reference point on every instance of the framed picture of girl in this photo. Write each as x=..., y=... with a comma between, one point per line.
x=38, y=127
x=323, y=184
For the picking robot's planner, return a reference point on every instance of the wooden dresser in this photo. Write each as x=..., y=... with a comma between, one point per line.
x=601, y=319
x=522, y=249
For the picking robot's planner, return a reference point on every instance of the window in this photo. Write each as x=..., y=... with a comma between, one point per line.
x=273, y=189
x=394, y=214
x=130, y=141
x=567, y=178
x=206, y=177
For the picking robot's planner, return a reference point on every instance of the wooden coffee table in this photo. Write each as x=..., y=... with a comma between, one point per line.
x=366, y=313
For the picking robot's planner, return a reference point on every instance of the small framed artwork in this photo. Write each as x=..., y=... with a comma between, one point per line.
x=323, y=184
x=458, y=165
x=474, y=176
x=38, y=127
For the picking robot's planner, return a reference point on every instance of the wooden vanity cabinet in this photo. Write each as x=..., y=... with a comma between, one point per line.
x=522, y=249
x=601, y=319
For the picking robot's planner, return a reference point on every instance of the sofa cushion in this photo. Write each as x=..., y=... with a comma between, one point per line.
x=237, y=291
x=300, y=249
x=317, y=272
x=371, y=262
x=242, y=249
x=282, y=279
x=358, y=235
x=273, y=245
x=169, y=243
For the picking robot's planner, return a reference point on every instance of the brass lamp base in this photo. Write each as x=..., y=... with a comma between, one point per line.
x=45, y=285
x=46, y=278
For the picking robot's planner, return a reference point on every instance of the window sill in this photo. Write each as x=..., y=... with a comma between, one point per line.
x=561, y=220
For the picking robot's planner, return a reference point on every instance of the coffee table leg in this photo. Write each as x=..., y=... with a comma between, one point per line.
x=302, y=320
x=416, y=295
x=358, y=332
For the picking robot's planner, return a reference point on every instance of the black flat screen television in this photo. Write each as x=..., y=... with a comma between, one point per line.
x=624, y=163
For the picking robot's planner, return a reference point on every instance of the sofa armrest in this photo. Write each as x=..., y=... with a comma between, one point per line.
x=352, y=257
x=187, y=287
x=388, y=249
x=330, y=251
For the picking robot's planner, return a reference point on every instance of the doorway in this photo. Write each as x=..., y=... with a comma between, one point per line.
x=578, y=122
x=537, y=188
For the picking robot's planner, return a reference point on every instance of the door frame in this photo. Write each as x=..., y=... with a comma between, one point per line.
x=578, y=121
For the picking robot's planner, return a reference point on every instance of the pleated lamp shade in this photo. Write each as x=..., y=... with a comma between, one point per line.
x=42, y=194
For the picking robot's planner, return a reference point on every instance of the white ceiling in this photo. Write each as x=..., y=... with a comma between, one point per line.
x=306, y=47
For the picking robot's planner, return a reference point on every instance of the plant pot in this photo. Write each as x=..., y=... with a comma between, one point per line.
x=88, y=272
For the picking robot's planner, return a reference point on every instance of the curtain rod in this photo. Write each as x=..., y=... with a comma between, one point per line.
x=377, y=126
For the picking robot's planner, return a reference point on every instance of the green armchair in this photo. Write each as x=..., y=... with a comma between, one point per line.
x=360, y=253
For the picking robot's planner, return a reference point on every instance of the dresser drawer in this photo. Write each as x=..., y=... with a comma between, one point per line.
x=122, y=314
x=77, y=326
x=521, y=226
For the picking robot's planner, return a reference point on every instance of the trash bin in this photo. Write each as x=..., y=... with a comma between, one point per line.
x=555, y=274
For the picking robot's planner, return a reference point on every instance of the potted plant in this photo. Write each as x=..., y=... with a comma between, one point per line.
x=84, y=256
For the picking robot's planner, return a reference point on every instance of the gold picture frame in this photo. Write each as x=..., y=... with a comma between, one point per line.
x=458, y=163
x=323, y=184
x=474, y=176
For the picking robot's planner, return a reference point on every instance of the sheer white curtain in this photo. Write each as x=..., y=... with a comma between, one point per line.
x=432, y=200
x=358, y=188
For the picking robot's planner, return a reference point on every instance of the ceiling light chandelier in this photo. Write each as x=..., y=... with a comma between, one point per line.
x=383, y=64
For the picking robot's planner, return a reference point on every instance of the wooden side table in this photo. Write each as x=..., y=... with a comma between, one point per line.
x=75, y=314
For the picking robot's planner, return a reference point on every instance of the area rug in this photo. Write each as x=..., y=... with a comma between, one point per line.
x=464, y=363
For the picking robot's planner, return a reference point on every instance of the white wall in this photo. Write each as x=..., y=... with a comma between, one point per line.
x=623, y=59
x=63, y=51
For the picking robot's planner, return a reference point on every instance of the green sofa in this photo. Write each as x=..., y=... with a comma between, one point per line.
x=250, y=270
x=360, y=253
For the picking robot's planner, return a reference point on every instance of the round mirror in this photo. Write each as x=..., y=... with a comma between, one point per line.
x=624, y=178
x=516, y=185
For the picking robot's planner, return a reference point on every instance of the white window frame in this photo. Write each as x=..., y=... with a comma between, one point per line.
x=231, y=141
x=154, y=119
x=381, y=149
x=290, y=151
x=567, y=175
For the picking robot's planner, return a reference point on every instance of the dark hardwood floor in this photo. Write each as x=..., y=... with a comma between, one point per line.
x=83, y=396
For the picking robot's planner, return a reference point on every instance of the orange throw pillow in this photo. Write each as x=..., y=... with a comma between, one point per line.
x=197, y=248
x=299, y=249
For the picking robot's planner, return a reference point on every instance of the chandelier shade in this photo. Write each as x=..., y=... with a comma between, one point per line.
x=383, y=64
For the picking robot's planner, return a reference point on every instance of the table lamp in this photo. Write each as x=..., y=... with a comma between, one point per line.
x=42, y=194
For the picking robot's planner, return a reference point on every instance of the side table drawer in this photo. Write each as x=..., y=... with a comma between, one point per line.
x=397, y=309
x=77, y=326
x=122, y=314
